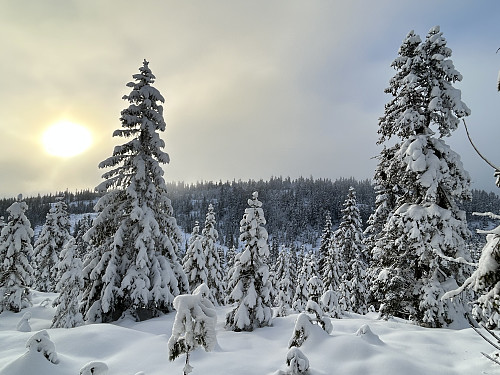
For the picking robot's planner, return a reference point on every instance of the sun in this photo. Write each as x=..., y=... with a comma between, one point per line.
x=66, y=139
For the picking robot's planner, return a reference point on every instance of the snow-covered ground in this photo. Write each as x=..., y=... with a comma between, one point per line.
x=128, y=347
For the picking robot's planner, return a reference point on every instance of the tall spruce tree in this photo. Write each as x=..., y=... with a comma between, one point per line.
x=135, y=235
x=326, y=238
x=424, y=234
x=250, y=286
x=54, y=235
x=353, y=263
x=16, y=273
x=215, y=281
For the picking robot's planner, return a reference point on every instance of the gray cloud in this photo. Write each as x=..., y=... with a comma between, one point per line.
x=253, y=89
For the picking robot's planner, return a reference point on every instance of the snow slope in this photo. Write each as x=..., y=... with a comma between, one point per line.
x=128, y=347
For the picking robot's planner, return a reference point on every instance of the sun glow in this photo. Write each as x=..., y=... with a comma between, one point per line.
x=66, y=139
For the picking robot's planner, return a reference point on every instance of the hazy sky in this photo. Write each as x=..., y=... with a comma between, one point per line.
x=253, y=89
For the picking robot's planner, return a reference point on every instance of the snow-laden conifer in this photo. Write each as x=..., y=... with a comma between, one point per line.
x=415, y=252
x=326, y=238
x=24, y=324
x=69, y=286
x=308, y=269
x=16, y=273
x=195, y=260
x=215, y=281
x=40, y=342
x=194, y=325
x=348, y=239
x=250, y=286
x=485, y=280
x=230, y=255
x=135, y=235
x=50, y=242
x=284, y=297
x=329, y=302
x=331, y=274
x=82, y=246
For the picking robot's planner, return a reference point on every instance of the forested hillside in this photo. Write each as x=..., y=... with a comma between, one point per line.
x=295, y=209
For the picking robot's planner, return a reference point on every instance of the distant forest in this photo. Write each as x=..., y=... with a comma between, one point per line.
x=294, y=209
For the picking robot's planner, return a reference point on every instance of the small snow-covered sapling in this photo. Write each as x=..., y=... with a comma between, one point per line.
x=41, y=342
x=94, y=368
x=194, y=325
x=296, y=361
x=24, y=324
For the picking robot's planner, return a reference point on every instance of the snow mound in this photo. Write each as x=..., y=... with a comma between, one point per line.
x=366, y=334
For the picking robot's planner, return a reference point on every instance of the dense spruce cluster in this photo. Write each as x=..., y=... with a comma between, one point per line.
x=323, y=248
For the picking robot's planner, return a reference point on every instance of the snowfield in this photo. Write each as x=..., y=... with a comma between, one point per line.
x=357, y=345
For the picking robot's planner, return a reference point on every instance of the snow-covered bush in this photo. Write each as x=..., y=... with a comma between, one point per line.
x=24, y=323
x=194, y=325
x=301, y=330
x=40, y=342
x=94, y=368
x=296, y=361
x=319, y=318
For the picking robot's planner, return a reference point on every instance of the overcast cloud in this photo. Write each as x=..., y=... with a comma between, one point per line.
x=253, y=89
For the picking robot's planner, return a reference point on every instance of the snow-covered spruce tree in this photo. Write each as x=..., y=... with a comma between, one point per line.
x=331, y=273
x=250, y=286
x=308, y=269
x=215, y=281
x=315, y=288
x=358, y=286
x=69, y=285
x=423, y=236
x=195, y=260
x=82, y=246
x=326, y=238
x=384, y=206
x=134, y=236
x=16, y=273
x=283, y=300
x=330, y=304
x=348, y=239
x=194, y=325
x=50, y=242
x=349, y=235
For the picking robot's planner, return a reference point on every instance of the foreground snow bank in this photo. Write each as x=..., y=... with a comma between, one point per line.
x=357, y=345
